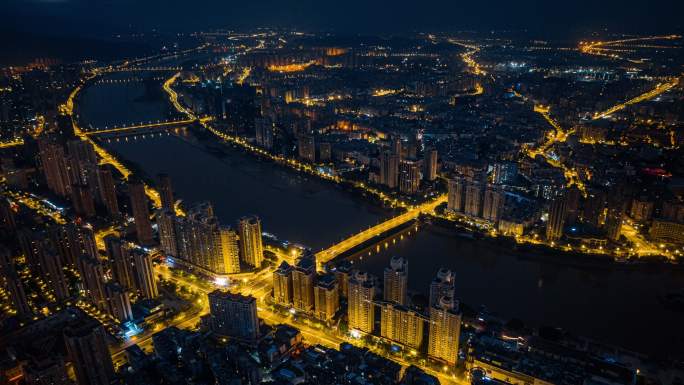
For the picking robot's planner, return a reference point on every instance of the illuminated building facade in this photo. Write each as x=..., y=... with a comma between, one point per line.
x=303, y=279
x=445, y=329
x=326, y=298
x=282, y=285
x=401, y=325
x=251, y=243
x=361, y=312
x=396, y=281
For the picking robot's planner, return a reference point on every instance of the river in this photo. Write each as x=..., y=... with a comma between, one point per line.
x=616, y=304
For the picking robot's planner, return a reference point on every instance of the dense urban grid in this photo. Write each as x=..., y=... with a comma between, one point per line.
x=556, y=149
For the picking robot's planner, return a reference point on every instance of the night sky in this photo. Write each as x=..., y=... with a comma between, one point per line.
x=572, y=17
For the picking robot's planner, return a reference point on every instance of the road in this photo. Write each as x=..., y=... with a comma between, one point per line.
x=658, y=90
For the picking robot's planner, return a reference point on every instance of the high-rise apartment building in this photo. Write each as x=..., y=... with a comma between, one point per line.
x=145, y=280
x=409, y=177
x=198, y=239
x=88, y=352
x=389, y=169
x=107, y=190
x=445, y=329
x=494, y=198
x=326, y=298
x=55, y=167
x=166, y=191
x=473, y=199
x=282, y=285
x=251, y=246
x=361, y=310
x=556, y=221
x=401, y=325
x=443, y=285
x=307, y=148
x=234, y=315
x=430, y=165
x=303, y=280
x=456, y=195
x=396, y=281
x=118, y=302
x=166, y=226
x=141, y=212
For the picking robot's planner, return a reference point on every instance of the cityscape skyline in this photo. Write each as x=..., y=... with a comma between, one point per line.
x=282, y=205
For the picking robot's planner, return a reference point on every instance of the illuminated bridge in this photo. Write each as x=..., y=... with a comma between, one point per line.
x=143, y=128
x=325, y=256
x=142, y=69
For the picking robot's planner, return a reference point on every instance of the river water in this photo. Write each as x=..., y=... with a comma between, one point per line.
x=616, y=304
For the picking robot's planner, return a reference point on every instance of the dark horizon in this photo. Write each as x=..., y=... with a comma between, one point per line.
x=100, y=18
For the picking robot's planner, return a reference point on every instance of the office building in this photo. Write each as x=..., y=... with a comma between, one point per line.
x=251, y=247
x=303, y=280
x=401, y=325
x=326, y=298
x=233, y=315
x=166, y=192
x=409, y=177
x=85, y=340
x=360, y=309
x=389, y=169
x=430, y=165
x=556, y=221
x=282, y=285
x=443, y=285
x=396, y=281
x=141, y=212
x=445, y=329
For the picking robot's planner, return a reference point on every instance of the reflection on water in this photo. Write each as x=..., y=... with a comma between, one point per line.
x=616, y=303
x=295, y=207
